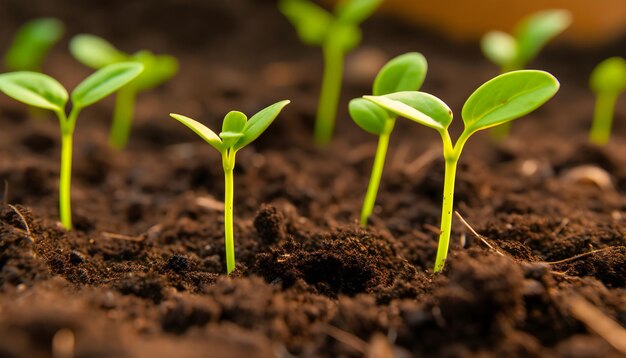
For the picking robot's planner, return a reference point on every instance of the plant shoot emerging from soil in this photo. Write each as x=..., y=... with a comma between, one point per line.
x=403, y=73
x=514, y=51
x=500, y=100
x=237, y=132
x=95, y=52
x=42, y=91
x=337, y=34
x=608, y=81
x=31, y=44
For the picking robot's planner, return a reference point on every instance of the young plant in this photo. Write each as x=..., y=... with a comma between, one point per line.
x=337, y=34
x=514, y=52
x=500, y=100
x=31, y=44
x=42, y=91
x=95, y=52
x=237, y=132
x=608, y=81
x=403, y=73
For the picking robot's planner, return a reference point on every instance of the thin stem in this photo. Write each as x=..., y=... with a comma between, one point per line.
x=330, y=92
x=228, y=162
x=602, y=118
x=122, y=117
x=65, y=180
x=446, y=213
x=377, y=172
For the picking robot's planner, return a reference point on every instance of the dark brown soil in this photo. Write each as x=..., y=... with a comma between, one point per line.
x=142, y=274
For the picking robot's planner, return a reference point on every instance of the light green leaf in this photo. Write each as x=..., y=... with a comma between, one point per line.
x=200, y=129
x=609, y=76
x=95, y=52
x=35, y=89
x=402, y=73
x=310, y=20
x=368, y=115
x=420, y=107
x=507, y=97
x=157, y=69
x=232, y=127
x=536, y=30
x=500, y=48
x=32, y=42
x=356, y=11
x=259, y=123
x=104, y=82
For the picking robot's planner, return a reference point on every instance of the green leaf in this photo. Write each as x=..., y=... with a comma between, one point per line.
x=420, y=107
x=507, y=97
x=95, y=52
x=368, y=115
x=345, y=35
x=104, y=82
x=402, y=73
x=157, y=69
x=200, y=129
x=32, y=42
x=356, y=11
x=609, y=76
x=259, y=123
x=35, y=89
x=232, y=127
x=500, y=48
x=536, y=30
x=311, y=21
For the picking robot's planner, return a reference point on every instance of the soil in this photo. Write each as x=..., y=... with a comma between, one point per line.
x=142, y=275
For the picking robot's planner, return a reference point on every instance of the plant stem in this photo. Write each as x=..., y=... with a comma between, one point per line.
x=330, y=92
x=228, y=162
x=602, y=118
x=65, y=209
x=377, y=172
x=446, y=212
x=122, y=117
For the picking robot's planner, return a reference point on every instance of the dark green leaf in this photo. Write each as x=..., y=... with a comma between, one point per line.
x=95, y=52
x=35, y=89
x=311, y=21
x=32, y=42
x=403, y=73
x=420, y=107
x=368, y=115
x=104, y=82
x=609, y=76
x=259, y=123
x=356, y=11
x=200, y=129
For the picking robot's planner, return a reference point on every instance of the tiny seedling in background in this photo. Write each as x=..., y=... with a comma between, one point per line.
x=237, y=132
x=95, y=52
x=608, y=81
x=337, y=34
x=403, y=73
x=32, y=43
x=514, y=52
x=42, y=91
x=500, y=100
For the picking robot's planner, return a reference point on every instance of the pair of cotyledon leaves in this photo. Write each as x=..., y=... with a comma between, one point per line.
x=609, y=76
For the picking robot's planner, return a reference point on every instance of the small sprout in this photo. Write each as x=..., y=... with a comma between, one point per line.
x=337, y=34
x=31, y=44
x=403, y=73
x=42, y=91
x=608, y=81
x=514, y=52
x=95, y=52
x=237, y=132
x=500, y=100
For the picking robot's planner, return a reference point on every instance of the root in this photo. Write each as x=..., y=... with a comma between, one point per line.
x=23, y=219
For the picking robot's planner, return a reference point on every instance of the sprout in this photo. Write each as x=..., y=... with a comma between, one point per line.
x=237, y=132
x=403, y=73
x=608, y=81
x=514, y=52
x=31, y=44
x=500, y=100
x=337, y=34
x=42, y=91
x=95, y=52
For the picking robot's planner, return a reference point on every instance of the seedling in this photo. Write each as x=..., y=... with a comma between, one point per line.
x=95, y=52
x=337, y=33
x=31, y=44
x=514, y=52
x=608, y=81
x=403, y=73
x=237, y=132
x=42, y=91
x=500, y=100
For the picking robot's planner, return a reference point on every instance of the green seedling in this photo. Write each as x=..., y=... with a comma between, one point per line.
x=403, y=73
x=514, y=51
x=31, y=44
x=608, y=81
x=237, y=132
x=337, y=34
x=95, y=52
x=500, y=100
x=42, y=91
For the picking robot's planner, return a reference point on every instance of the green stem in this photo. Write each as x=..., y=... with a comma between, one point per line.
x=377, y=172
x=122, y=117
x=603, y=118
x=228, y=162
x=65, y=181
x=330, y=92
